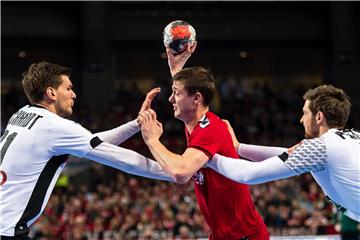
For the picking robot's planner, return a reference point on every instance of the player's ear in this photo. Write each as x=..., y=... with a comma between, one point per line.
x=320, y=117
x=50, y=93
x=197, y=97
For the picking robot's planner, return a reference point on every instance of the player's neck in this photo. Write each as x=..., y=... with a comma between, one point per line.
x=191, y=124
x=47, y=106
x=323, y=130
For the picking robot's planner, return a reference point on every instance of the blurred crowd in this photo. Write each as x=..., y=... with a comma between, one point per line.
x=102, y=203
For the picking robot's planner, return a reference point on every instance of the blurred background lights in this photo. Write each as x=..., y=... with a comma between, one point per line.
x=22, y=54
x=243, y=54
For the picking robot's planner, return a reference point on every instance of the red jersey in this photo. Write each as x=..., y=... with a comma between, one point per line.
x=226, y=205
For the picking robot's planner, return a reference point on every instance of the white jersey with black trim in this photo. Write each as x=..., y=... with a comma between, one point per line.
x=34, y=149
x=334, y=161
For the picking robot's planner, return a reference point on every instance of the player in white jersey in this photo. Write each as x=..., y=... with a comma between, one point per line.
x=329, y=152
x=38, y=141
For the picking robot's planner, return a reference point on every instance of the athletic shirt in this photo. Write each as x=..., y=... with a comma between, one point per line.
x=34, y=149
x=226, y=205
x=334, y=161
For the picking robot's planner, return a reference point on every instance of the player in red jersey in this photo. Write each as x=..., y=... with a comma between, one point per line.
x=226, y=205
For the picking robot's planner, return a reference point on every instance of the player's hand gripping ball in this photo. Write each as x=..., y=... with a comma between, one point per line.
x=177, y=35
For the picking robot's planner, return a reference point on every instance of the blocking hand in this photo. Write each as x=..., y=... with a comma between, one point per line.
x=151, y=128
x=148, y=100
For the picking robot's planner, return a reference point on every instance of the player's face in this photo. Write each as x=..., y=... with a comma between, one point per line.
x=309, y=122
x=65, y=97
x=182, y=103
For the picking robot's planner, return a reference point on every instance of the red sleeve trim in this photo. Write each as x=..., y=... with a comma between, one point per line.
x=207, y=153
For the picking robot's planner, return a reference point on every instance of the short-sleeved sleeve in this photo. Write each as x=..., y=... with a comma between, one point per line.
x=70, y=138
x=310, y=156
x=207, y=139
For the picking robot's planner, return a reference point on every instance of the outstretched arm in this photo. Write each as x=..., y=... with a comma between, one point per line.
x=180, y=167
x=73, y=139
x=254, y=153
x=247, y=172
x=120, y=134
x=307, y=156
x=258, y=153
x=126, y=160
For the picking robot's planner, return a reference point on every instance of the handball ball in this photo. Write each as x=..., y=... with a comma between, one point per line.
x=177, y=35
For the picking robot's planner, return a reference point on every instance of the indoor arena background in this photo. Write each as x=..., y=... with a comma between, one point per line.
x=264, y=55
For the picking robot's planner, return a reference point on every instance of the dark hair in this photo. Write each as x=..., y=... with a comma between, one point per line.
x=332, y=102
x=39, y=77
x=197, y=79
